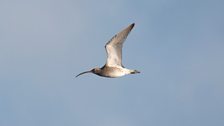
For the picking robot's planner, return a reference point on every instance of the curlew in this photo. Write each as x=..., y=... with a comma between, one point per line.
x=113, y=67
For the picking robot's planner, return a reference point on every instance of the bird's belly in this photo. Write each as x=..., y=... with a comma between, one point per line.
x=116, y=72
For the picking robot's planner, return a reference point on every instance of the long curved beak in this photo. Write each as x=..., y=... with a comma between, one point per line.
x=84, y=73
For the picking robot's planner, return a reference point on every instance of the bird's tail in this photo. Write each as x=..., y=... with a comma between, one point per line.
x=134, y=71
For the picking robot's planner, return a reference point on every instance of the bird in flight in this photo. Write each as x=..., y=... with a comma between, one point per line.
x=113, y=67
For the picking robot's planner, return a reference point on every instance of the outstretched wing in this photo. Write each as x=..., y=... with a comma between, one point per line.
x=114, y=47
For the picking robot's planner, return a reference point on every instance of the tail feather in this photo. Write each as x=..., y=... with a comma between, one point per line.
x=134, y=72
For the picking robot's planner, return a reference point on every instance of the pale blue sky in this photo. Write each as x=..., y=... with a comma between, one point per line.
x=178, y=45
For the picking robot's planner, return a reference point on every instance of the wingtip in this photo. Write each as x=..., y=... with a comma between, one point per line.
x=132, y=25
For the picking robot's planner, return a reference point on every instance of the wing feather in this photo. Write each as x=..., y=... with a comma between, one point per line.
x=114, y=47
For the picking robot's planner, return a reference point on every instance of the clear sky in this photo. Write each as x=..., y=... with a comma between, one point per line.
x=178, y=45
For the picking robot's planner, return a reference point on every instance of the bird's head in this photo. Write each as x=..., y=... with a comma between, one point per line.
x=96, y=70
